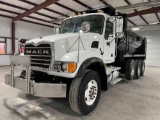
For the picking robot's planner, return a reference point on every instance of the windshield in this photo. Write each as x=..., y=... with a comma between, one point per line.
x=73, y=25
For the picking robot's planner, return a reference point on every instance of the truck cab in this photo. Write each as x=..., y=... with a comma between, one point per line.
x=102, y=29
x=79, y=62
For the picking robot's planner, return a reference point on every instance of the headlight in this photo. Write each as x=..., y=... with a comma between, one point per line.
x=64, y=66
x=68, y=67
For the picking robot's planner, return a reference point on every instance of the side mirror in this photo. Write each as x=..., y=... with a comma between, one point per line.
x=85, y=27
x=119, y=27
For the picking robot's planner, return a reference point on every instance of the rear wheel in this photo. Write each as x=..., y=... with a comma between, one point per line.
x=85, y=92
x=137, y=69
x=130, y=69
x=142, y=67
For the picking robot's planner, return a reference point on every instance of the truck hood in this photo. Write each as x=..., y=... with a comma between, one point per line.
x=54, y=38
x=67, y=43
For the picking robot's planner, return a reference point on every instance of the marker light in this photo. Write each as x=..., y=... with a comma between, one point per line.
x=84, y=12
x=65, y=18
x=79, y=13
x=100, y=11
x=74, y=14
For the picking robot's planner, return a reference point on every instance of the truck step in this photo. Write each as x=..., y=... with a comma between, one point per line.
x=111, y=69
x=115, y=81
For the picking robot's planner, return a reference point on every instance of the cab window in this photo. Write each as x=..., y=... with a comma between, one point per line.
x=109, y=29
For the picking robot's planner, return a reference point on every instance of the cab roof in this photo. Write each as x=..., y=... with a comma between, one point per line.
x=87, y=14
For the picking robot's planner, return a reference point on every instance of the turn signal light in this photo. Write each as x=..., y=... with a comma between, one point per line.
x=72, y=67
x=65, y=17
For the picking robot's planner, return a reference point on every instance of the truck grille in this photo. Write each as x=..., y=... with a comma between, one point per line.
x=41, y=55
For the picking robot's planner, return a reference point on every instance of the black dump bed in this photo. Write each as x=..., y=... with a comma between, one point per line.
x=132, y=45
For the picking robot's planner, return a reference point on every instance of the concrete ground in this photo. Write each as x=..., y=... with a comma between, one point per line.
x=135, y=100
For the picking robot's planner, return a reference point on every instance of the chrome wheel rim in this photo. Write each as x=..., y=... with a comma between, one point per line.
x=91, y=92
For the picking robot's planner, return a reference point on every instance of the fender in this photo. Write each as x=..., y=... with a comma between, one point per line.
x=87, y=63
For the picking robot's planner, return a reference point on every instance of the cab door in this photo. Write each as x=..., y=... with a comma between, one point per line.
x=109, y=42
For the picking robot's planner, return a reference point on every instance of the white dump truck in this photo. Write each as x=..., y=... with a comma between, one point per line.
x=91, y=51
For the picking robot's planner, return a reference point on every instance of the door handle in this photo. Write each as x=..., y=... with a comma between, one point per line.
x=108, y=43
x=101, y=51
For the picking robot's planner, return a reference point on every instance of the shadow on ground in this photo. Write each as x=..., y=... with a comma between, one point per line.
x=36, y=107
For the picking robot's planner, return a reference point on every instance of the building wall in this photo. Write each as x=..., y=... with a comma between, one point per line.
x=23, y=30
x=5, y=27
x=29, y=31
x=153, y=46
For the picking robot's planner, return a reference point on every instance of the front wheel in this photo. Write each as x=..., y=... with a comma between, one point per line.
x=85, y=92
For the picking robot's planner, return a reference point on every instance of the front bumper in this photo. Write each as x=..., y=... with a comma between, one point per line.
x=30, y=87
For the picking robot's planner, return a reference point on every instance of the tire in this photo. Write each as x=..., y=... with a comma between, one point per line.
x=82, y=87
x=130, y=69
x=142, y=69
x=23, y=74
x=137, y=69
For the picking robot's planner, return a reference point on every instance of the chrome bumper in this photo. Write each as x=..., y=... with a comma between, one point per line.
x=30, y=87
